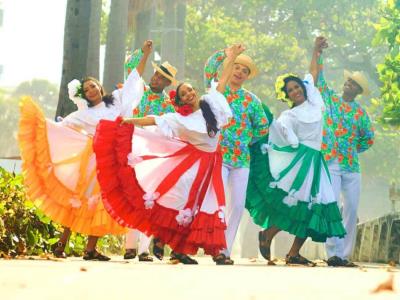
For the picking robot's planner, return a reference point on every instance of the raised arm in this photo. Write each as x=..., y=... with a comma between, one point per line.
x=315, y=68
x=138, y=59
x=231, y=53
x=213, y=63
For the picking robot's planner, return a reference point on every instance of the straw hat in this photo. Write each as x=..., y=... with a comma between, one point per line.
x=360, y=79
x=245, y=60
x=166, y=70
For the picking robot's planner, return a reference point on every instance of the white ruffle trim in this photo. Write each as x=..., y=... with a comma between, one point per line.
x=93, y=201
x=75, y=202
x=264, y=148
x=134, y=160
x=149, y=199
x=221, y=213
x=185, y=217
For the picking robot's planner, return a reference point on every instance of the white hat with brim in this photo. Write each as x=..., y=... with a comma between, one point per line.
x=246, y=61
x=360, y=79
x=166, y=70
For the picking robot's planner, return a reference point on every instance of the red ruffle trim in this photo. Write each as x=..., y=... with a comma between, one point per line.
x=123, y=198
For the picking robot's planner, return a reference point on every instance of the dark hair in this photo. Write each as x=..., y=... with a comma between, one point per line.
x=208, y=114
x=296, y=79
x=108, y=99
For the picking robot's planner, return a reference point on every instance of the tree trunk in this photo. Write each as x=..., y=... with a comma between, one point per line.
x=79, y=41
x=115, y=47
x=93, y=61
x=180, y=39
x=168, y=40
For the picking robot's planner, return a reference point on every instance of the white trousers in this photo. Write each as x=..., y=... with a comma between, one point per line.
x=134, y=237
x=349, y=185
x=235, y=184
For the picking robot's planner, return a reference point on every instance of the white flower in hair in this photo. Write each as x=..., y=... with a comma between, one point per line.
x=75, y=94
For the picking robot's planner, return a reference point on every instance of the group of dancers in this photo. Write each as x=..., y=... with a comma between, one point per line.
x=181, y=168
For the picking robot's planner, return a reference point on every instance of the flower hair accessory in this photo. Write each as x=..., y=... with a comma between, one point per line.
x=279, y=85
x=183, y=110
x=75, y=93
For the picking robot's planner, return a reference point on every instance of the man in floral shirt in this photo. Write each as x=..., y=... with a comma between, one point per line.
x=154, y=102
x=248, y=122
x=347, y=132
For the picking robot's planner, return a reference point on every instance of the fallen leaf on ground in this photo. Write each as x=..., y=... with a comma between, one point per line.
x=83, y=269
x=385, y=286
x=392, y=263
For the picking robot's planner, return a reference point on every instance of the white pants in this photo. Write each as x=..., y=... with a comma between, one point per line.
x=134, y=237
x=235, y=184
x=349, y=184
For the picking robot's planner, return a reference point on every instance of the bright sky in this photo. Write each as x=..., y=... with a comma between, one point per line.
x=31, y=40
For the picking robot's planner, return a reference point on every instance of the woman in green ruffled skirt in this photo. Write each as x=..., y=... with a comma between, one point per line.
x=289, y=185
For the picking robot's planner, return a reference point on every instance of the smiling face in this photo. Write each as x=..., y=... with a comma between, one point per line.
x=351, y=88
x=92, y=91
x=240, y=74
x=188, y=95
x=295, y=92
x=158, y=82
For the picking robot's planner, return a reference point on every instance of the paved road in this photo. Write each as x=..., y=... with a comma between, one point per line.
x=77, y=279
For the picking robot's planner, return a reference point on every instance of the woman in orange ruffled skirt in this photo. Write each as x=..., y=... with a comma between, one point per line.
x=59, y=164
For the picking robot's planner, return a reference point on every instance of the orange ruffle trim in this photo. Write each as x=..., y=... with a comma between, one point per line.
x=45, y=189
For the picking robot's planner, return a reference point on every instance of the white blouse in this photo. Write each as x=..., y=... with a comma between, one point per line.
x=192, y=128
x=303, y=123
x=125, y=100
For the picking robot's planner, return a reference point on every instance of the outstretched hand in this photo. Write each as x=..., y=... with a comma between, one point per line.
x=147, y=46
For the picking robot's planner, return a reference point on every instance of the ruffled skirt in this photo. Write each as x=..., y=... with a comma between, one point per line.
x=60, y=175
x=161, y=186
x=298, y=197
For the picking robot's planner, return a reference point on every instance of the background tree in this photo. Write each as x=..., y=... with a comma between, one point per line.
x=81, y=47
x=115, y=47
x=388, y=32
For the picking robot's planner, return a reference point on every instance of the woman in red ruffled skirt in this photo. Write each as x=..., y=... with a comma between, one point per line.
x=167, y=182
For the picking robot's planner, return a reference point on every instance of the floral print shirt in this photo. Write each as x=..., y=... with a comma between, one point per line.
x=152, y=103
x=347, y=128
x=249, y=120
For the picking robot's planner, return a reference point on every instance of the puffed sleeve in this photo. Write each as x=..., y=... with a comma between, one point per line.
x=218, y=105
x=313, y=94
x=282, y=131
x=128, y=97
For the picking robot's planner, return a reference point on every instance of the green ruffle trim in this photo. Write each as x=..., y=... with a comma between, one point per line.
x=267, y=209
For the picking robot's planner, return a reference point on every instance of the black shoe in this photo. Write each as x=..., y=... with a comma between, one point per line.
x=130, y=253
x=158, y=249
x=348, y=264
x=94, y=255
x=335, y=261
x=299, y=260
x=145, y=257
x=59, y=251
x=222, y=259
x=183, y=258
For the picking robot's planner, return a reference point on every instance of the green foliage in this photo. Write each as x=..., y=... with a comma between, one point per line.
x=388, y=32
x=25, y=230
